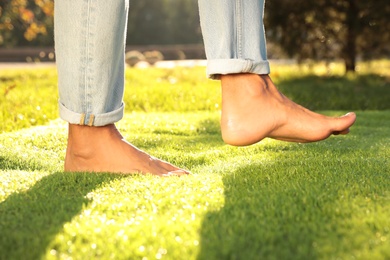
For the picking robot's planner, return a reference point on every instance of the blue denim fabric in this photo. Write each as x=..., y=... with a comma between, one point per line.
x=233, y=34
x=90, y=45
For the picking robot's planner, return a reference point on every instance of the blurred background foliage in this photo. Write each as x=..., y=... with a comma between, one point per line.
x=26, y=22
x=299, y=29
x=330, y=29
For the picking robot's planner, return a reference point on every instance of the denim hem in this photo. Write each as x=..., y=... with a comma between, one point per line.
x=218, y=67
x=91, y=119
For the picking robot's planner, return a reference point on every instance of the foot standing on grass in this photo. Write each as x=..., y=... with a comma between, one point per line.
x=90, y=44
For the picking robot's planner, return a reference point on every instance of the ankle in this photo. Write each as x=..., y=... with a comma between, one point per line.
x=244, y=84
x=87, y=134
x=83, y=140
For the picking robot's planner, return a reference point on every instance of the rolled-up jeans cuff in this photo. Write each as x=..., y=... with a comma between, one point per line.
x=218, y=67
x=91, y=119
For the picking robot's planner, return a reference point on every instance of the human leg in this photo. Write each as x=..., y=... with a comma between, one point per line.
x=252, y=107
x=90, y=41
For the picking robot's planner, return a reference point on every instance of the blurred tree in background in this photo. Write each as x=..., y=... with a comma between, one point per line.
x=163, y=22
x=30, y=22
x=26, y=22
x=328, y=29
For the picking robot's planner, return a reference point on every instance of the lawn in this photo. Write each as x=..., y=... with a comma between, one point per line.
x=271, y=200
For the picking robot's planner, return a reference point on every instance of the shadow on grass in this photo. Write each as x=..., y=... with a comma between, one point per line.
x=29, y=220
x=255, y=222
x=332, y=204
x=356, y=92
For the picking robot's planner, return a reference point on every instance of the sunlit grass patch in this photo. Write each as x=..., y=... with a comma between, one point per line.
x=271, y=200
x=28, y=97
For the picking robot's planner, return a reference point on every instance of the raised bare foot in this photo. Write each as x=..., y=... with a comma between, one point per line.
x=252, y=109
x=103, y=149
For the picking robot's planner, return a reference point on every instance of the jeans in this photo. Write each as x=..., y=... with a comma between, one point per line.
x=233, y=35
x=90, y=46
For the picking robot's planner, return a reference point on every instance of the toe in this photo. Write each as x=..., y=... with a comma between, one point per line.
x=342, y=124
x=351, y=116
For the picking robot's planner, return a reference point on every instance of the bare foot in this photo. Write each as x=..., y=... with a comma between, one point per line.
x=103, y=149
x=252, y=109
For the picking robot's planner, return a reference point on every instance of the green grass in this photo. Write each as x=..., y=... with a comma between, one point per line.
x=29, y=97
x=272, y=200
